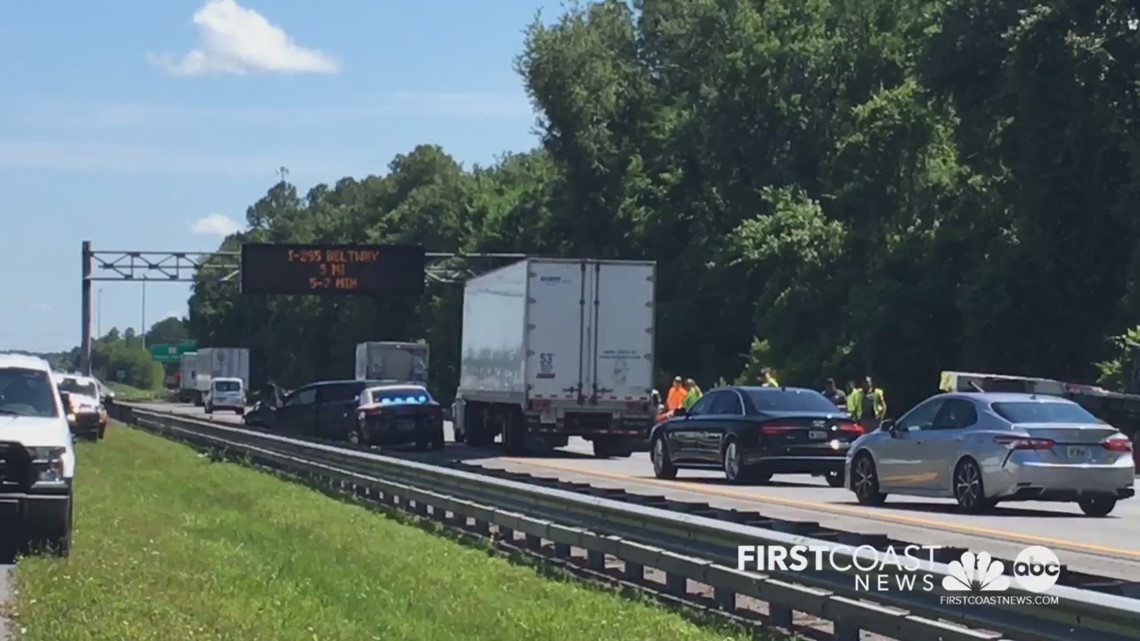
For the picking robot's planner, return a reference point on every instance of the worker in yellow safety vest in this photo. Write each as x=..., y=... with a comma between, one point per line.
x=693, y=394
x=868, y=405
x=768, y=378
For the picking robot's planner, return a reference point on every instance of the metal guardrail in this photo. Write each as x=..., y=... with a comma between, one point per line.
x=812, y=529
x=682, y=546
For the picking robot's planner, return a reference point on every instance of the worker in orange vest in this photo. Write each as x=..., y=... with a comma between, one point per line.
x=676, y=394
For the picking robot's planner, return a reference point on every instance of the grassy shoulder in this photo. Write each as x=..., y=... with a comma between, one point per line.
x=171, y=546
x=129, y=394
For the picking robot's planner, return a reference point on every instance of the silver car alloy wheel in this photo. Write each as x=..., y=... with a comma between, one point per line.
x=967, y=484
x=864, y=477
x=731, y=461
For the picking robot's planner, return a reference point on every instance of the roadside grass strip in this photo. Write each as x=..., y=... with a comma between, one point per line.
x=171, y=547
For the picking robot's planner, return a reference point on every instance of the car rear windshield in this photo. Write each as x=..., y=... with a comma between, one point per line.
x=782, y=400
x=81, y=388
x=26, y=392
x=1038, y=412
x=402, y=396
x=227, y=386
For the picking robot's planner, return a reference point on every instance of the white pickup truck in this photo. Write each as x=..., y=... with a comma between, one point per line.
x=37, y=461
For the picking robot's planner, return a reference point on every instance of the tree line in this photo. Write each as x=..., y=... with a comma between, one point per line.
x=124, y=357
x=829, y=188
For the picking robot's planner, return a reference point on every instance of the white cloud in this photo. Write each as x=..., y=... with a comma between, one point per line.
x=240, y=41
x=215, y=225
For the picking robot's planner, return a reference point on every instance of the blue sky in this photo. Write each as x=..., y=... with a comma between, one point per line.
x=144, y=125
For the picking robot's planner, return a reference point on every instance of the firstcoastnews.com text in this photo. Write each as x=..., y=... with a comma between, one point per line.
x=995, y=600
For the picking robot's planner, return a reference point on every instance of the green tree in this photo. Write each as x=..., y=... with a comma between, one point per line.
x=829, y=188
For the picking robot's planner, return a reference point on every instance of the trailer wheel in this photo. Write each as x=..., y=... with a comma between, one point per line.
x=514, y=432
x=475, y=432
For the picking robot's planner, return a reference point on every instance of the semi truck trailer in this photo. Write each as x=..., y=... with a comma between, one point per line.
x=555, y=348
x=215, y=362
x=392, y=361
x=186, y=369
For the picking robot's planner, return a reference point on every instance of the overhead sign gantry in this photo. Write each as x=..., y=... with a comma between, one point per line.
x=321, y=270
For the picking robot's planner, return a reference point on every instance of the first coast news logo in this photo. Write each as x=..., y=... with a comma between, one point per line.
x=972, y=579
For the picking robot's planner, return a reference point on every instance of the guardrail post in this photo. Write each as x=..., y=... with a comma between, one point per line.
x=634, y=571
x=843, y=631
x=596, y=560
x=507, y=534
x=780, y=616
x=562, y=550
x=725, y=599
x=533, y=542
x=676, y=584
x=482, y=528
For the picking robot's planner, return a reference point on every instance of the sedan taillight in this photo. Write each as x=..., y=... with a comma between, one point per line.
x=1117, y=443
x=1025, y=443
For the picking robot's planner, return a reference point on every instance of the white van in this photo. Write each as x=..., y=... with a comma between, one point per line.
x=225, y=393
x=37, y=460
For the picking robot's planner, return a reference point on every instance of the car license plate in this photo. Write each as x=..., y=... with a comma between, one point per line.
x=1078, y=452
x=817, y=435
x=406, y=426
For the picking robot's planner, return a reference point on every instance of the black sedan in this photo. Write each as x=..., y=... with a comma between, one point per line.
x=754, y=432
x=398, y=415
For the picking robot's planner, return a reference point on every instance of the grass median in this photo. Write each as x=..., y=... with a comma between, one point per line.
x=169, y=546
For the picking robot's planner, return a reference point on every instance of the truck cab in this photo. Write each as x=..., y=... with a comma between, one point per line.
x=37, y=459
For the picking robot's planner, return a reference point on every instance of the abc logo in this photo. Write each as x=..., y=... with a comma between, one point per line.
x=1036, y=569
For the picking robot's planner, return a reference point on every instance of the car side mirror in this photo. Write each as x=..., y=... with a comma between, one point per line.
x=890, y=426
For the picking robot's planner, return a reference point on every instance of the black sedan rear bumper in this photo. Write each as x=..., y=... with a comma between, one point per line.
x=402, y=431
x=818, y=465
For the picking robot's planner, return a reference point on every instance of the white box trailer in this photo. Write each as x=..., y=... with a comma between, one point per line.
x=392, y=361
x=218, y=362
x=553, y=348
x=186, y=370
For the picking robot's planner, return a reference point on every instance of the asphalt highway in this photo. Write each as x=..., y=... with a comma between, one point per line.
x=1106, y=546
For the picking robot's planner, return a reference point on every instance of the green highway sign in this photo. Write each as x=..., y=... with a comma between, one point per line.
x=171, y=353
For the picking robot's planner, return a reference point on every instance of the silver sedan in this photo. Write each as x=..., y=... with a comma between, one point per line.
x=982, y=448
